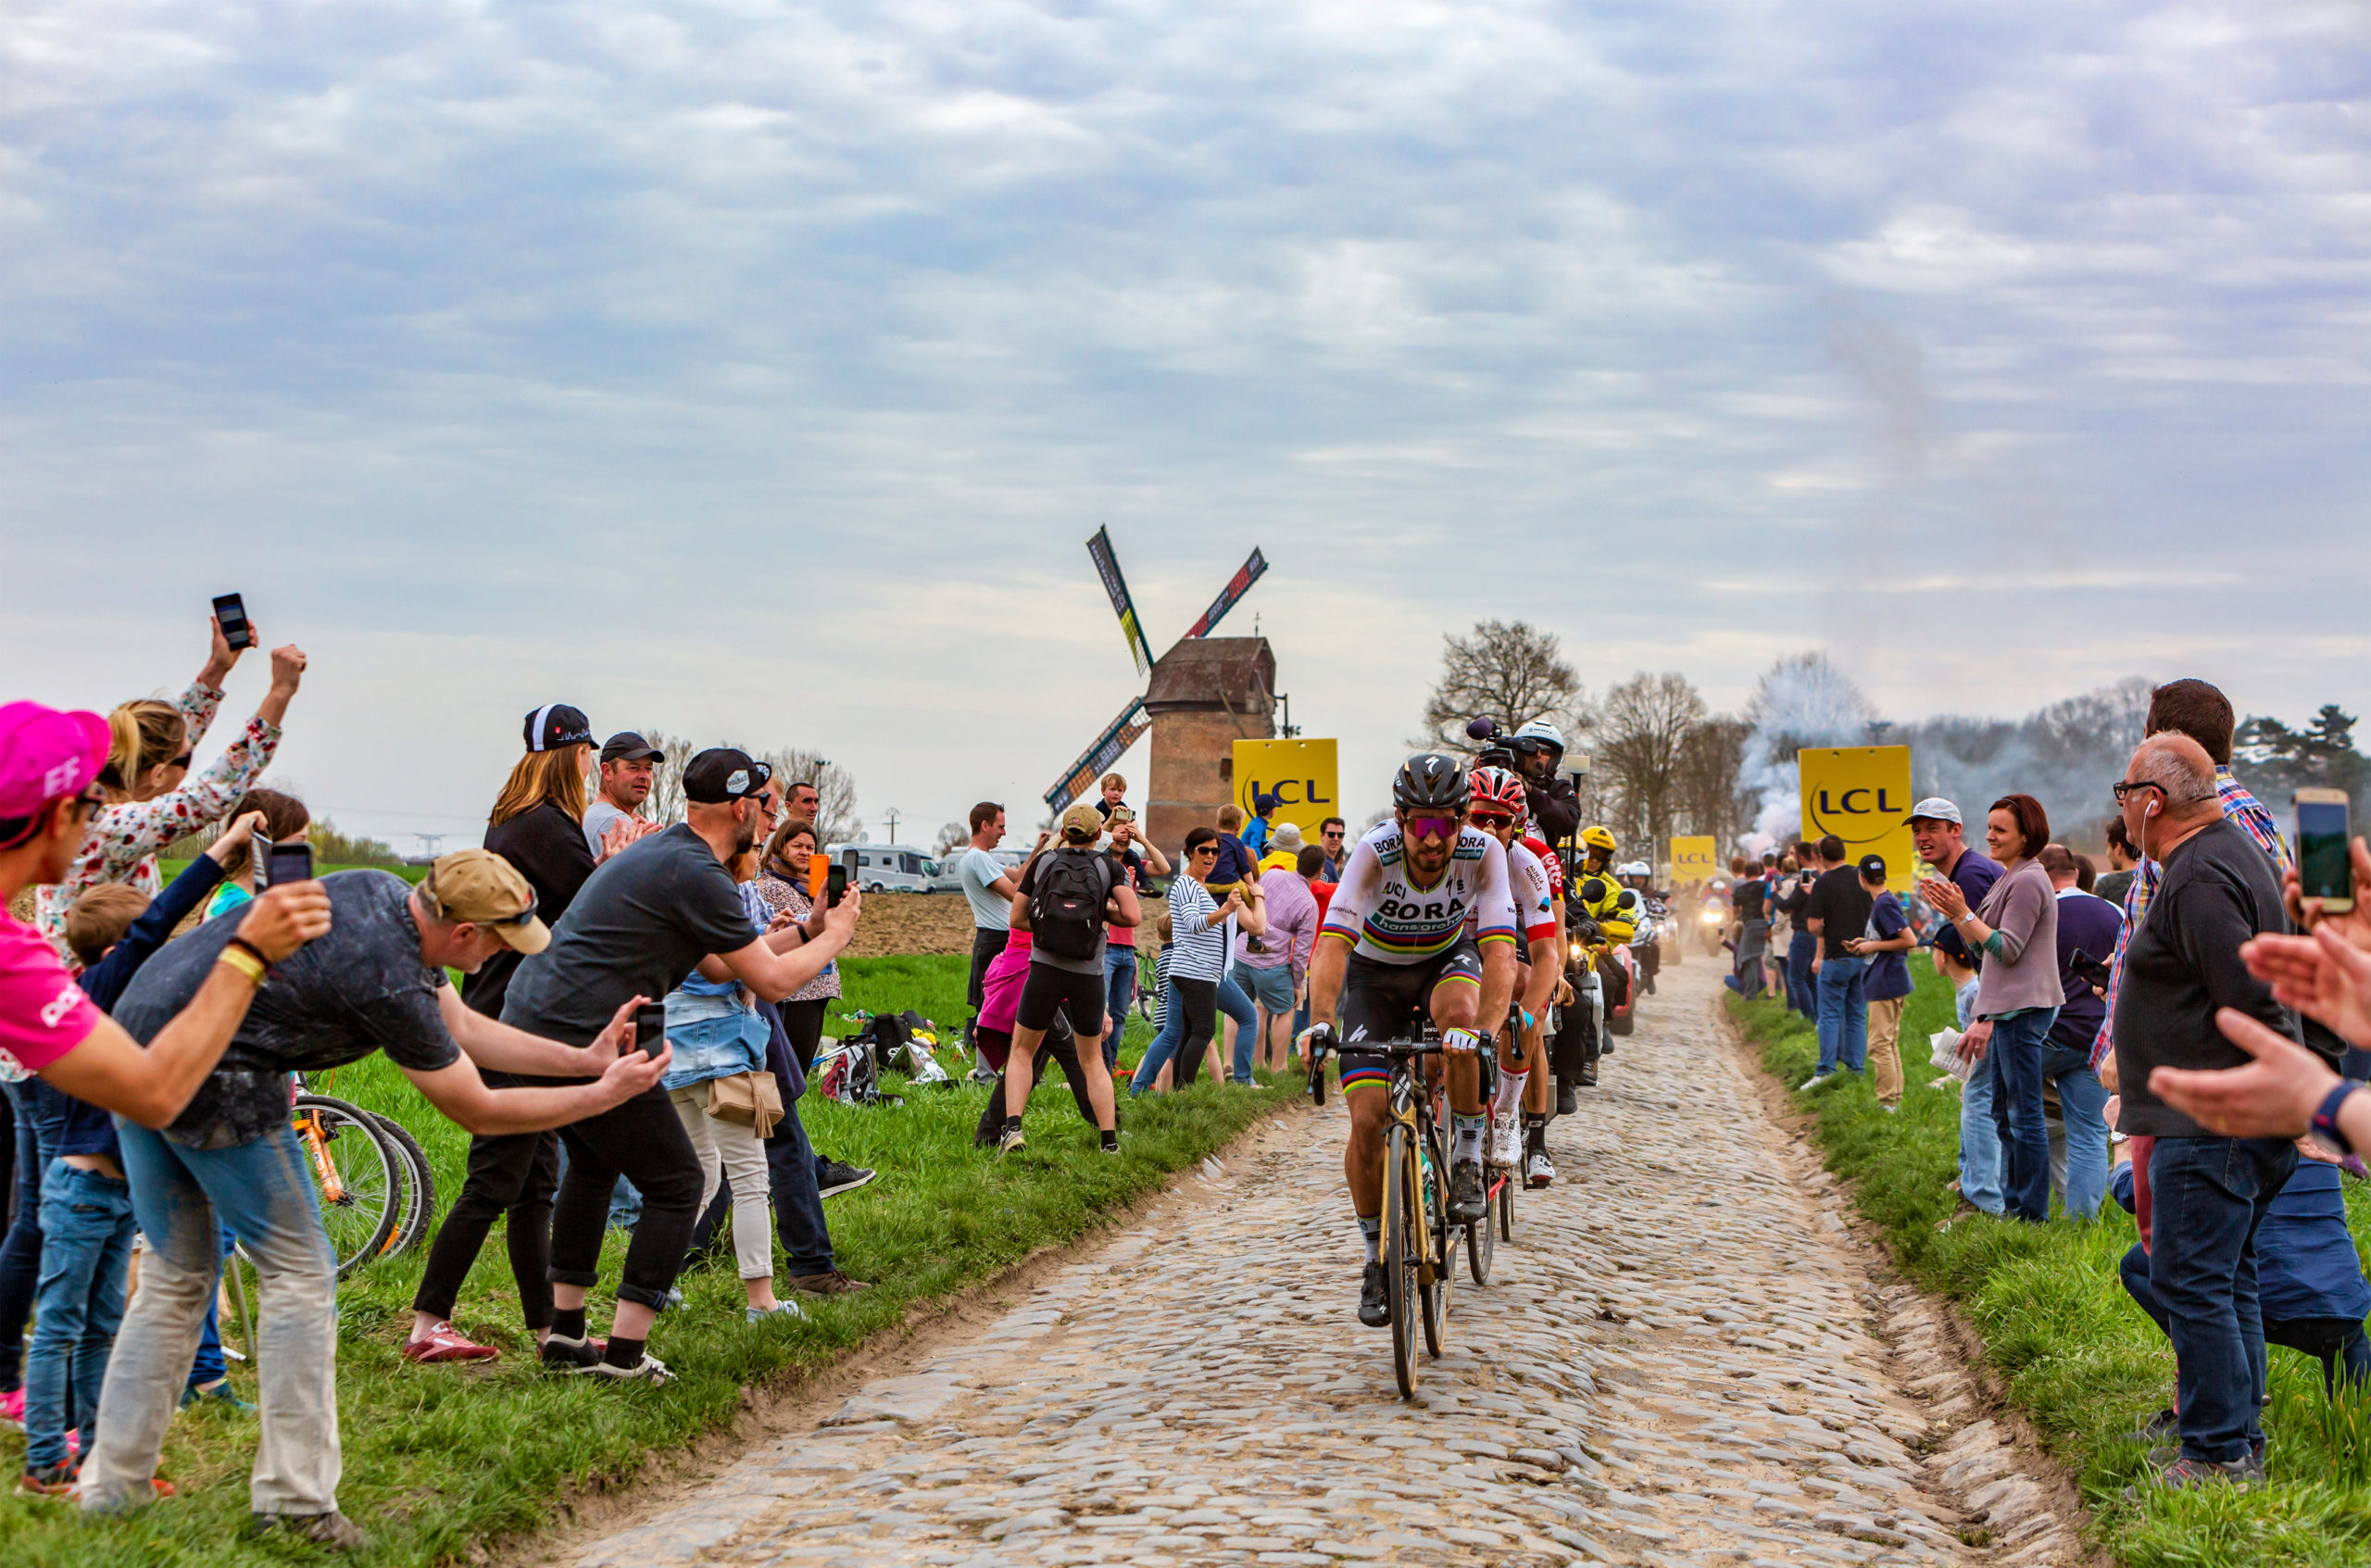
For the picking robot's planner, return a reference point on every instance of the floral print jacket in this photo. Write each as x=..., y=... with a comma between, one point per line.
x=123, y=840
x=780, y=895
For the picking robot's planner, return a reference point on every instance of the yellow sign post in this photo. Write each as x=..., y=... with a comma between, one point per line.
x=1862, y=795
x=1301, y=774
x=1694, y=860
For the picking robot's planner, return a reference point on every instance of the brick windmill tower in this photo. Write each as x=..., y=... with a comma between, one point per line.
x=1202, y=697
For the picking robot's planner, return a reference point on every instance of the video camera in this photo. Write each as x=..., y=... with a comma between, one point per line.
x=1495, y=752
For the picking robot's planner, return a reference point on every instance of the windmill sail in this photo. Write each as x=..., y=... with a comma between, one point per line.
x=1237, y=586
x=1096, y=760
x=1107, y=565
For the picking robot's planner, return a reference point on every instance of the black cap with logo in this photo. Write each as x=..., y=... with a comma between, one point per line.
x=627, y=747
x=557, y=724
x=723, y=773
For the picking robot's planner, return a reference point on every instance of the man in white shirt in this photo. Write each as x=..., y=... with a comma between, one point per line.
x=627, y=765
x=989, y=886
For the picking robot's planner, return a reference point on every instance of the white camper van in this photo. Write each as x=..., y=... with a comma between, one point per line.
x=891, y=868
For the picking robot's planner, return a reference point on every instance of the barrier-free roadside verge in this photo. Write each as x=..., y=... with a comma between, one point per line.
x=2069, y=1347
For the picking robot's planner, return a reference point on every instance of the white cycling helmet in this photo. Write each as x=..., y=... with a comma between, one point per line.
x=1636, y=868
x=1539, y=732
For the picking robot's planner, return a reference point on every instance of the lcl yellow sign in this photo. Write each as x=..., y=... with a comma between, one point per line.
x=1862, y=795
x=1693, y=859
x=1301, y=774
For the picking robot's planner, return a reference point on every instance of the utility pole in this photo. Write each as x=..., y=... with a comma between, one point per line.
x=892, y=814
x=430, y=843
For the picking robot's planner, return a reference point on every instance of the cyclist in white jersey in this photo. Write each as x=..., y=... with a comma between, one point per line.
x=1499, y=809
x=1394, y=947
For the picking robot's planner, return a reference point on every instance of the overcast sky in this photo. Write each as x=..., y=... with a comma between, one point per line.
x=758, y=370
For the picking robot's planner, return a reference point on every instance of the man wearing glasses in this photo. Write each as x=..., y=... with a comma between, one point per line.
x=1394, y=948
x=1332, y=834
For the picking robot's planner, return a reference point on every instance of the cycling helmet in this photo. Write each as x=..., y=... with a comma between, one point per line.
x=1500, y=788
x=1633, y=867
x=1430, y=782
x=1600, y=839
x=1628, y=900
x=1539, y=736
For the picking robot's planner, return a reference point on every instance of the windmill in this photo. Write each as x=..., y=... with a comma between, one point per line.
x=1134, y=720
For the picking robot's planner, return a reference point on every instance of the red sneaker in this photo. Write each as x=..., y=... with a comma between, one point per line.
x=443, y=1344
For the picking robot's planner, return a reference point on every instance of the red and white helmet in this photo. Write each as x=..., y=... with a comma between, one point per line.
x=1496, y=787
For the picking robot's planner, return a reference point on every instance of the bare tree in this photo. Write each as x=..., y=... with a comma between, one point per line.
x=665, y=803
x=1507, y=670
x=951, y=837
x=1713, y=799
x=1641, y=744
x=792, y=764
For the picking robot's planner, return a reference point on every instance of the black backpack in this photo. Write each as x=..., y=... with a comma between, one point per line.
x=1066, y=902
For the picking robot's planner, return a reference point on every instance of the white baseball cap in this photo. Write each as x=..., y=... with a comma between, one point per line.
x=1938, y=810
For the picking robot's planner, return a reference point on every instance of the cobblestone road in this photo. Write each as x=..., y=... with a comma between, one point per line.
x=1678, y=1362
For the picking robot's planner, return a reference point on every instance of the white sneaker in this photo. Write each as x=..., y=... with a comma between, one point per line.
x=651, y=1371
x=1506, y=1140
x=1538, y=1171
x=1813, y=1082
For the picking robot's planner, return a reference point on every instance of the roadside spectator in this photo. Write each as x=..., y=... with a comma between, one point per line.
x=1271, y=966
x=653, y=913
x=1979, y=1161
x=1067, y=894
x=1886, y=983
x=988, y=887
x=1312, y=867
x=1753, y=922
x=781, y=882
x=285, y=820
x=537, y=826
x=1112, y=795
x=1235, y=863
x=1141, y=861
x=2217, y=889
x=1285, y=844
x=1803, y=948
x=1331, y=836
x=1197, y=968
x=1835, y=913
x=374, y=982
x=78, y=1215
x=1938, y=832
x=629, y=766
x=1255, y=829
x=2016, y=931
x=2122, y=863
x=2091, y=926
x=1000, y=1000
x=151, y=798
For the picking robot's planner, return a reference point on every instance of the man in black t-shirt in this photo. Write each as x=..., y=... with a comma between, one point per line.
x=1836, y=912
x=653, y=913
x=375, y=982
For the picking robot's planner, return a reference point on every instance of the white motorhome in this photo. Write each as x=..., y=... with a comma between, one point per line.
x=891, y=868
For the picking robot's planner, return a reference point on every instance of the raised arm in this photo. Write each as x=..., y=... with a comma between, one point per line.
x=462, y=1095
x=773, y=975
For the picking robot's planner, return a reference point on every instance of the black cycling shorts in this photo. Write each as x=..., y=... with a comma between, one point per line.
x=1392, y=1001
x=1048, y=988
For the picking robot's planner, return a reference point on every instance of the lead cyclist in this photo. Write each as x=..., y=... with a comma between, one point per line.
x=1394, y=946
x=1499, y=809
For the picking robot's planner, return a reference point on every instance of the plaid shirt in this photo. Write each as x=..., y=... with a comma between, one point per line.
x=2242, y=807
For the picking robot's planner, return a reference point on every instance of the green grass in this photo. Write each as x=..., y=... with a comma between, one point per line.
x=2077, y=1355
x=168, y=870
x=442, y=1461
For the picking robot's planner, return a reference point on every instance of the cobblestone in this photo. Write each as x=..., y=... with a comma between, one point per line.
x=1679, y=1362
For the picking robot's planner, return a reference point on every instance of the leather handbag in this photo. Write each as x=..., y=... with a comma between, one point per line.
x=747, y=1100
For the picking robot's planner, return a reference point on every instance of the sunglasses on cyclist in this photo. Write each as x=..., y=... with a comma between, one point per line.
x=1487, y=820
x=1432, y=827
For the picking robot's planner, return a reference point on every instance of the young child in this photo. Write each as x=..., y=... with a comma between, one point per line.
x=1883, y=943
x=85, y=1202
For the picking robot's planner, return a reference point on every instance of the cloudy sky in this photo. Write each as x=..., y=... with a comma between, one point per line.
x=757, y=369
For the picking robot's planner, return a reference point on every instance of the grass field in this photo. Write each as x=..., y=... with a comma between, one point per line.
x=442, y=1461
x=2077, y=1356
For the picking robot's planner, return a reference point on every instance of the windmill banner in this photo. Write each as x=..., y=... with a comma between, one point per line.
x=1237, y=586
x=1096, y=760
x=1107, y=565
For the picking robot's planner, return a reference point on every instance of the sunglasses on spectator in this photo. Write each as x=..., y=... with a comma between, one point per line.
x=1209, y=849
x=89, y=801
x=183, y=761
x=1432, y=827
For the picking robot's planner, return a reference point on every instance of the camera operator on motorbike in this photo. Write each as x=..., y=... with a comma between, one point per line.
x=1395, y=944
x=1498, y=810
x=1539, y=750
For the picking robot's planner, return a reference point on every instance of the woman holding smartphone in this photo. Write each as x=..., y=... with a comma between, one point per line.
x=783, y=883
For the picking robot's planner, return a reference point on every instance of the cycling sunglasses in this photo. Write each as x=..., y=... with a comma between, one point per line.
x=1432, y=827
x=1491, y=820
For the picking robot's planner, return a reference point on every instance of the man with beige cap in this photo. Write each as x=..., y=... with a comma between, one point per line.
x=374, y=982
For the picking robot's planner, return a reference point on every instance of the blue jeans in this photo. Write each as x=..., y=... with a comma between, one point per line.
x=2337, y=1343
x=1799, y=993
x=1979, y=1142
x=1120, y=972
x=2208, y=1195
x=36, y=1125
x=1232, y=1002
x=1843, y=1015
x=2014, y=1057
x=183, y=1197
x=798, y=1199
x=86, y=1252
x=2082, y=1105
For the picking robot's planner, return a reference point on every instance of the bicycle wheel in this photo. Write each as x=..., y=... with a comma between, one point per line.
x=1401, y=1261
x=420, y=1187
x=1434, y=1278
x=1507, y=1210
x=1481, y=1239
x=354, y=1174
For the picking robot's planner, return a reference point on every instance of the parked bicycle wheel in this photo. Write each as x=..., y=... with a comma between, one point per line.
x=420, y=1187
x=356, y=1172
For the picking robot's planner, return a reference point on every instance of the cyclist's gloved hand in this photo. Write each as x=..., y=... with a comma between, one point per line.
x=1315, y=1040
x=1461, y=1042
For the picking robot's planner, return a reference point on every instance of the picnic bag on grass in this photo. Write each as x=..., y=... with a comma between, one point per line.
x=1066, y=905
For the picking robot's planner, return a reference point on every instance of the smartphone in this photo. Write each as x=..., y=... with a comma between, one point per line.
x=276, y=862
x=835, y=884
x=2091, y=970
x=232, y=613
x=650, y=1027
x=2325, y=870
x=819, y=868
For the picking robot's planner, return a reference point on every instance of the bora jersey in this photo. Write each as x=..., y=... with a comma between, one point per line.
x=1385, y=915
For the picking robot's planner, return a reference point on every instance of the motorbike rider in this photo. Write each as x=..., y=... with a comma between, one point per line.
x=1539, y=750
x=1592, y=912
x=1645, y=944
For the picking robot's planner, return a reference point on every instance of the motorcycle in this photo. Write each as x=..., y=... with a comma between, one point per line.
x=1646, y=943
